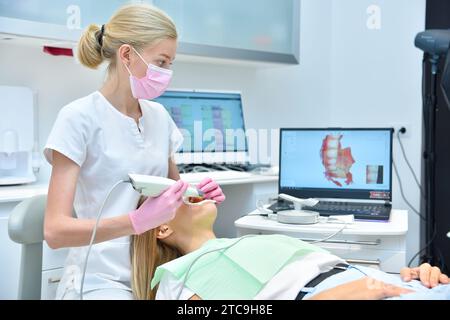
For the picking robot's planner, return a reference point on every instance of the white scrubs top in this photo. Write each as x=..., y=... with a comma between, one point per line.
x=107, y=145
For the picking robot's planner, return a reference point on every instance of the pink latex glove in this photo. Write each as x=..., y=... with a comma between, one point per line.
x=211, y=190
x=161, y=209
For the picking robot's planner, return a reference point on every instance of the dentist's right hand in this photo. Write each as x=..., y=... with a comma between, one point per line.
x=156, y=211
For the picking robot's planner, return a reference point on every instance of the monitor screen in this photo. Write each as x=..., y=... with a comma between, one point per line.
x=446, y=80
x=336, y=163
x=209, y=121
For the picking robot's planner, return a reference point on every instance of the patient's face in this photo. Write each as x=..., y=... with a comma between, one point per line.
x=188, y=216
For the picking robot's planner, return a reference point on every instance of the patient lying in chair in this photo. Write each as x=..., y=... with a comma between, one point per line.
x=183, y=259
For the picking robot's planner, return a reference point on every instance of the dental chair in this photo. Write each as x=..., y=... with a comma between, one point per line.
x=26, y=226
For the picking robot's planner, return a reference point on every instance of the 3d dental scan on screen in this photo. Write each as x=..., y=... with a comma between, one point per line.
x=357, y=160
x=234, y=152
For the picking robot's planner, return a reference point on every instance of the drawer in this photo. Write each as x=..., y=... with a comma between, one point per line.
x=386, y=253
x=342, y=240
x=50, y=282
x=387, y=260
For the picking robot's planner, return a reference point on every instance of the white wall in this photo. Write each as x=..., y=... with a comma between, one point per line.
x=348, y=76
x=376, y=81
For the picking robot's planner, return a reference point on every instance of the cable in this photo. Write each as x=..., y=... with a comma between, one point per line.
x=222, y=167
x=201, y=169
x=182, y=168
x=94, y=232
x=330, y=236
x=261, y=209
x=409, y=164
x=236, y=167
x=421, y=250
x=441, y=261
x=403, y=194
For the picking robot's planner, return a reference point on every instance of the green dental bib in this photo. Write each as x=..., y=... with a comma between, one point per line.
x=238, y=272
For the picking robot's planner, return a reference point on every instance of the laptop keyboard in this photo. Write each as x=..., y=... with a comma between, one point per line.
x=362, y=211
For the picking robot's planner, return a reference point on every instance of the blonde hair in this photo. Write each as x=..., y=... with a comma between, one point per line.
x=139, y=25
x=147, y=253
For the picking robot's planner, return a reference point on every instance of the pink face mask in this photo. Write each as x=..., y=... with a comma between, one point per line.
x=153, y=84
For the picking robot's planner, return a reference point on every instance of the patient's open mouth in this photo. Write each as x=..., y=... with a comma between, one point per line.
x=197, y=201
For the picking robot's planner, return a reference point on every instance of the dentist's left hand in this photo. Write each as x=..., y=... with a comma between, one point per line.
x=156, y=211
x=211, y=190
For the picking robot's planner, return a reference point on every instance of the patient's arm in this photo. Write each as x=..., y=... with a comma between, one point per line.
x=362, y=289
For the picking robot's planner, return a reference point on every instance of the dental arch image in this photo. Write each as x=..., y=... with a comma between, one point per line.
x=338, y=162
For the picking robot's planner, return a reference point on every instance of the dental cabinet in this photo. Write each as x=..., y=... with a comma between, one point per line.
x=375, y=244
x=251, y=30
x=241, y=197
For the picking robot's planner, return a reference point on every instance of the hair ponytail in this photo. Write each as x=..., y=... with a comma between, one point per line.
x=89, y=48
x=139, y=25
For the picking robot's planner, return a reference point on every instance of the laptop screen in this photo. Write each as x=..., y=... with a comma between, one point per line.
x=215, y=117
x=336, y=163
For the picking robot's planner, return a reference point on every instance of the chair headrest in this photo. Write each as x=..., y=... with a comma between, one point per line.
x=26, y=221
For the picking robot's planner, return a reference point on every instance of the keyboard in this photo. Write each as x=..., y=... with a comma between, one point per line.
x=195, y=177
x=361, y=211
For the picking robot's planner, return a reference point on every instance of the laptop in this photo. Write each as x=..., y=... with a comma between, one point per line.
x=212, y=123
x=348, y=170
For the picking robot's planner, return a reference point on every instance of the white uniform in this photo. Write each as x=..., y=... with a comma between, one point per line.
x=107, y=145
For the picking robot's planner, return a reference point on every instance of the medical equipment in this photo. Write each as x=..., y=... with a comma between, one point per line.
x=151, y=186
x=298, y=216
x=433, y=41
x=18, y=161
x=435, y=44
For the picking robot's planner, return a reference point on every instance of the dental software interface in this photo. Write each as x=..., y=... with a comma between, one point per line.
x=208, y=121
x=354, y=160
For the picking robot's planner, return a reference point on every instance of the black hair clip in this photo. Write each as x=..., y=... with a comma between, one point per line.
x=100, y=37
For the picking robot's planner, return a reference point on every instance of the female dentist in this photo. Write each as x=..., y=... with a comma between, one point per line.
x=97, y=140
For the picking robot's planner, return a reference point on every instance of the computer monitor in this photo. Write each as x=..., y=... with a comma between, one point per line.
x=212, y=123
x=336, y=163
x=445, y=82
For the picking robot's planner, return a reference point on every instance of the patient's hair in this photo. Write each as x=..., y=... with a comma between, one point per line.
x=148, y=253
